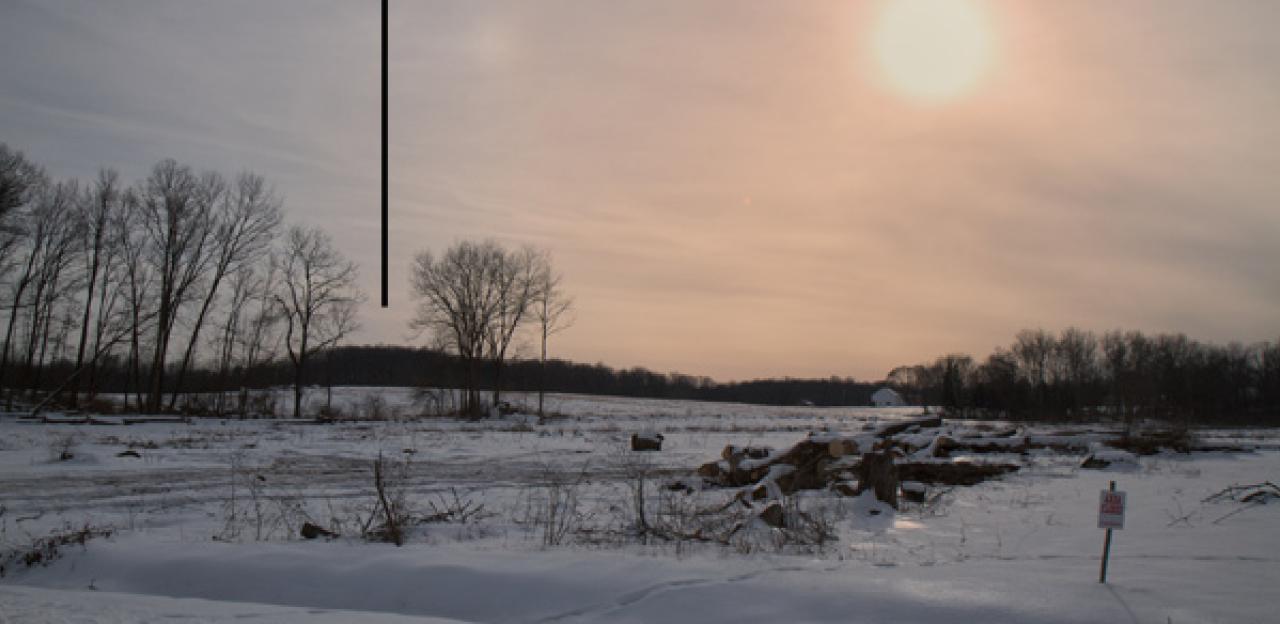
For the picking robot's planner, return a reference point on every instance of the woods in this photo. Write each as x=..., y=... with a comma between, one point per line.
x=144, y=283
x=1078, y=374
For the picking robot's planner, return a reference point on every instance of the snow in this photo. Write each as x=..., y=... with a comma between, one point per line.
x=601, y=587
x=1022, y=548
x=34, y=605
x=1119, y=459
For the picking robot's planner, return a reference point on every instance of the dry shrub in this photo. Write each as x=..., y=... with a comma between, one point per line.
x=392, y=511
x=252, y=505
x=556, y=507
x=45, y=550
x=374, y=407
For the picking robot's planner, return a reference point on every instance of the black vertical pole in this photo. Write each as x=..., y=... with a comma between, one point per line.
x=384, y=153
x=1106, y=548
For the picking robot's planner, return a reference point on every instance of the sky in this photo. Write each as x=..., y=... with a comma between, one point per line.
x=732, y=189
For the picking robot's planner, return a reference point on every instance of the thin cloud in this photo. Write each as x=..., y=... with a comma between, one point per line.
x=727, y=187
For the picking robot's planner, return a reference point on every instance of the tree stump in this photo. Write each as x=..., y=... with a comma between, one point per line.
x=646, y=441
x=880, y=474
x=311, y=531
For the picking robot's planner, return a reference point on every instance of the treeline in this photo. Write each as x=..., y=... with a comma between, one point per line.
x=1128, y=374
x=424, y=367
x=142, y=287
x=384, y=365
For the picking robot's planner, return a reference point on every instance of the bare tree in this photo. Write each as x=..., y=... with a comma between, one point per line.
x=19, y=181
x=518, y=282
x=96, y=211
x=953, y=373
x=55, y=285
x=319, y=299
x=552, y=309
x=47, y=242
x=1077, y=356
x=247, y=335
x=1034, y=349
x=457, y=302
x=260, y=340
x=244, y=224
x=243, y=284
x=177, y=217
x=137, y=285
x=111, y=323
x=473, y=299
x=20, y=219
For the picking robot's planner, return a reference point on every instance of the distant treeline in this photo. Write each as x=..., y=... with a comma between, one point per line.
x=1072, y=375
x=1080, y=374
x=406, y=366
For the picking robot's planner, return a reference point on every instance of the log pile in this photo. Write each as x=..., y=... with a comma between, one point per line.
x=879, y=459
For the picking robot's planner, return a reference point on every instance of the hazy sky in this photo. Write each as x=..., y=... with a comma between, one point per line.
x=735, y=189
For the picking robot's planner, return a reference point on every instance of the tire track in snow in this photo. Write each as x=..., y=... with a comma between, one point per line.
x=630, y=598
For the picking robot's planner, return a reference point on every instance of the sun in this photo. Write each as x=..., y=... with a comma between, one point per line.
x=932, y=50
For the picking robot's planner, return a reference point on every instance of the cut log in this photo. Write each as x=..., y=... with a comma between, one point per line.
x=946, y=445
x=731, y=452
x=1095, y=463
x=311, y=531
x=1152, y=442
x=713, y=471
x=647, y=441
x=774, y=515
x=842, y=447
x=914, y=491
x=952, y=473
x=926, y=422
x=879, y=473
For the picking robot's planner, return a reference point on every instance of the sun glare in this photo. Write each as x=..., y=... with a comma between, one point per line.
x=932, y=49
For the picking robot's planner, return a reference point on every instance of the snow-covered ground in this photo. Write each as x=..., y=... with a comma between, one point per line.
x=206, y=521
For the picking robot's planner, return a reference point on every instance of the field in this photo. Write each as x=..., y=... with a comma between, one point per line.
x=520, y=521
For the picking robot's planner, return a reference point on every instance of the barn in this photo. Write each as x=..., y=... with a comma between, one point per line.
x=887, y=397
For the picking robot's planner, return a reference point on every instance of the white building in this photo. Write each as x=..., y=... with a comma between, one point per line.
x=887, y=397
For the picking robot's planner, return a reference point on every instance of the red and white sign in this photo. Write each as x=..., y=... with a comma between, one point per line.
x=1111, y=510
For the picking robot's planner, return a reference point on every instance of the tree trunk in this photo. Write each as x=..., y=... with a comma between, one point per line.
x=84, y=324
x=38, y=375
x=472, y=403
x=191, y=344
x=156, y=385
x=297, y=393
x=297, y=388
x=542, y=372
x=4, y=356
x=497, y=383
x=300, y=361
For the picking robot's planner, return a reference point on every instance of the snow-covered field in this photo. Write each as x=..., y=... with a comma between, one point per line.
x=206, y=517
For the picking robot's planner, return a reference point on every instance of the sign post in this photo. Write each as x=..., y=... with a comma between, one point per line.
x=1110, y=516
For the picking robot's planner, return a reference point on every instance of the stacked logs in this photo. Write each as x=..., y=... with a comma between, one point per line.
x=877, y=460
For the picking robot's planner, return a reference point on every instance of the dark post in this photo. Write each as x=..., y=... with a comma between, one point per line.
x=1106, y=548
x=384, y=153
